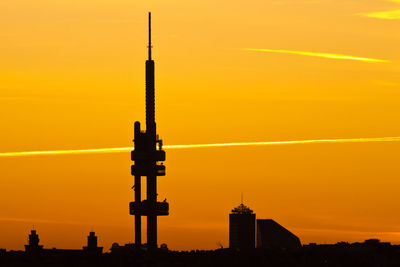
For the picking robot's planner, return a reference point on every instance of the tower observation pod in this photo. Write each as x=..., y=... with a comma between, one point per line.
x=147, y=155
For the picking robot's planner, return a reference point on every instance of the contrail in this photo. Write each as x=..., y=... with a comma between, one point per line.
x=268, y=143
x=324, y=55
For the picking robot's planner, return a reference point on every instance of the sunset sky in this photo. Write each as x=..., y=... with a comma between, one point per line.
x=72, y=77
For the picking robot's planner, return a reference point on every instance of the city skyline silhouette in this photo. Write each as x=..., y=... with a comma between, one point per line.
x=83, y=88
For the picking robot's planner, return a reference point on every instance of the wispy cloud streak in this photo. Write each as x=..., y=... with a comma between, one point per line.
x=216, y=145
x=323, y=55
x=391, y=14
x=44, y=221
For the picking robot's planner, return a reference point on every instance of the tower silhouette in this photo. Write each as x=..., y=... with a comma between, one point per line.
x=146, y=155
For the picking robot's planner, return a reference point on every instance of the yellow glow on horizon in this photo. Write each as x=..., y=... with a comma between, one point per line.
x=323, y=55
x=268, y=143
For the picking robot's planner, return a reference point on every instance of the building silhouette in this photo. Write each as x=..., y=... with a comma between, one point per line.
x=33, y=243
x=92, y=247
x=242, y=223
x=146, y=155
x=34, y=248
x=371, y=253
x=271, y=234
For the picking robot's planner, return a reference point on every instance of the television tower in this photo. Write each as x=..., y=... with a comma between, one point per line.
x=146, y=155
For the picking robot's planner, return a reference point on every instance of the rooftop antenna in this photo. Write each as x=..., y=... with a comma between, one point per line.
x=150, y=46
x=241, y=198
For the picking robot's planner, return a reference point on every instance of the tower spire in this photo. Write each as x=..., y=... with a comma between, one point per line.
x=149, y=36
x=150, y=97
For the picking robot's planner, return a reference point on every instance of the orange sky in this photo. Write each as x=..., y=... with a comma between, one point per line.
x=72, y=77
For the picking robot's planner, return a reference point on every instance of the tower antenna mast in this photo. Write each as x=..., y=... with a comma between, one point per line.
x=150, y=46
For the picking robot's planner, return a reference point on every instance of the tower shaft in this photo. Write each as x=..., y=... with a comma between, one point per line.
x=150, y=99
x=138, y=217
x=152, y=217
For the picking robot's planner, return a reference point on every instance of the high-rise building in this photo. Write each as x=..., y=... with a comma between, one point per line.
x=242, y=224
x=271, y=234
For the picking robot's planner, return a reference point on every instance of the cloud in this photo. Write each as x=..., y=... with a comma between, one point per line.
x=44, y=221
x=392, y=14
x=389, y=15
x=323, y=55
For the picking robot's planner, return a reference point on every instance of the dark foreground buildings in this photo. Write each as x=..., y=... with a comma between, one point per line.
x=371, y=253
x=36, y=255
x=270, y=234
x=34, y=248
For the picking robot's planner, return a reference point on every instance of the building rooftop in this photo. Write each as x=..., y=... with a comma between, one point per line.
x=242, y=209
